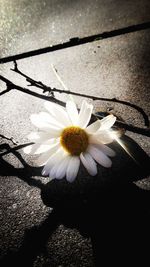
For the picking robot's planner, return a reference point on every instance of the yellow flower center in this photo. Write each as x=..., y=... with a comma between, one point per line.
x=74, y=140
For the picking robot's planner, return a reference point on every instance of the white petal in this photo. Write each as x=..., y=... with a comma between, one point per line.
x=105, y=149
x=53, y=119
x=58, y=113
x=53, y=171
x=39, y=148
x=107, y=122
x=72, y=112
x=47, y=145
x=38, y=121
x=33, y=136
x=84, y=120
x=35, y=149
x=43, y=125
x=72, y=169
x=42, y=160
x=27, y=149
x=46, y=117
x=89, y=163
x=40, y=137
x=52, y=160
x=103, y=137
x=100, y=157
x=92, y=128
x=85, y=114
x=61, y=171
x=51, y=107
x=83, y=107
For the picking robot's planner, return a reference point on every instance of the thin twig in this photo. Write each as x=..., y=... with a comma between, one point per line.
x=114, y=100
x=59, y=78
x=131, y=128
x=31, y=81
x=45, y=88
x=29, y=92
x=5, y=91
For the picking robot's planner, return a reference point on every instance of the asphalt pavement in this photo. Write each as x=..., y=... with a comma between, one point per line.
x=95, y=220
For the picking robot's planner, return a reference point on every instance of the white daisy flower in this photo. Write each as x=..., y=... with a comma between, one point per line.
x=65, y=139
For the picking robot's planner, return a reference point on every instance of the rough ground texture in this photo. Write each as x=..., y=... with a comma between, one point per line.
x=95, y=220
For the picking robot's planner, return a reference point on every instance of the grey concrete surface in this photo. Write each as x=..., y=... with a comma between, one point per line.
x=88, y=223
x=26, y=25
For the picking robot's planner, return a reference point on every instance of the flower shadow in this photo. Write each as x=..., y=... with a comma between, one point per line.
x=130, y=164
x=109, y=208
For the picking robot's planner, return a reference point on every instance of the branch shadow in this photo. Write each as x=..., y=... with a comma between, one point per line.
x=109, y=208
x=25, y=173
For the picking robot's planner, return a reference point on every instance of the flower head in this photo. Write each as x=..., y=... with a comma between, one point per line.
x=65, y=139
